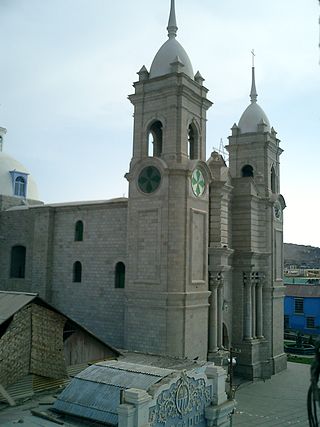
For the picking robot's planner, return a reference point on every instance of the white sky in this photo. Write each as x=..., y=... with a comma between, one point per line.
x=67, y=67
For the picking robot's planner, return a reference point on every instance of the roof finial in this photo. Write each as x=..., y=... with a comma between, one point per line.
x=253, y=93
x=172, y=24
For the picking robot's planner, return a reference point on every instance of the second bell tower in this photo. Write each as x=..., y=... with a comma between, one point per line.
x=167, y=286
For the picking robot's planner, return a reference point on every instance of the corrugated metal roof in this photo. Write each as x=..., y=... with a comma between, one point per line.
x=21, y=389
x=136, y=367
x=120, y=377
x=95, y=393
x=11, y=302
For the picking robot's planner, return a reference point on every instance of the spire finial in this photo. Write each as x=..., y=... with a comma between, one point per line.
x=253, y=93
x=172, y=24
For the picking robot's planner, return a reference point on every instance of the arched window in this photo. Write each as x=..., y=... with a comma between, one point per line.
x=247, y=171
x=273, y=180
x=193, y=143
x=155, y=139
x=18, y=262
x=120, y=275
x=78, y=231
x=77, y=271
x=20, y=186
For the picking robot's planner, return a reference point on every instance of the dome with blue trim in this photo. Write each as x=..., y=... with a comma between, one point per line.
x=15, y=179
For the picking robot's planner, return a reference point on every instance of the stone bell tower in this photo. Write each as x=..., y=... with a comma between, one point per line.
x=257, y=207
x=167, y=287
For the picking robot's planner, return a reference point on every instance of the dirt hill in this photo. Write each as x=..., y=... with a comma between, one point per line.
x=301, y=256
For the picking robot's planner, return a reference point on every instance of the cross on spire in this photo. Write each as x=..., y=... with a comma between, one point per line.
x=253, y=55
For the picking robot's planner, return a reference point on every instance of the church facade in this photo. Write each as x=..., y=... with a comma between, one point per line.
x=191, y=263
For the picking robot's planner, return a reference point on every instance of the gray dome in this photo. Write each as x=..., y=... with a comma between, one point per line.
x=253, y=114
x=251, y=117
x=166, y=55
x=7, y=165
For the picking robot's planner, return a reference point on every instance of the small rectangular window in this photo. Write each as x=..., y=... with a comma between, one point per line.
x=298, y=305
x=310, y=323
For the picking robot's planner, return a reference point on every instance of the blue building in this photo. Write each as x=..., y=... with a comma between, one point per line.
x=302, y=308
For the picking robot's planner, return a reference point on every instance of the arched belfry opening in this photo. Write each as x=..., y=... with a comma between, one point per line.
x=273, y=180
x=193, y=142
x=155, y=139
x=247, y=171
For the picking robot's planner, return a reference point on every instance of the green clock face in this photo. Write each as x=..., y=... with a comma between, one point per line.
x=149, y=179
x=198, y=184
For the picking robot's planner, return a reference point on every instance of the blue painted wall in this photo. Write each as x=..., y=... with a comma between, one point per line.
x=311, y=308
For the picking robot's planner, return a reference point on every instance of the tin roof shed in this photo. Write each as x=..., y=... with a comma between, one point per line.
x=95, y=393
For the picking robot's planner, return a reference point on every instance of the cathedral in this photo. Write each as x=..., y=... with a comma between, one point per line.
x=191, y=263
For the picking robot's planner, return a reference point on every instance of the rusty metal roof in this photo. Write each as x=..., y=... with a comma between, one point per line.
x=11, y=302
x=95, y=393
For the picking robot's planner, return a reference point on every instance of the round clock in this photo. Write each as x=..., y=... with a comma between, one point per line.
x=149, y=179
x=277, y=210
x=198, y=184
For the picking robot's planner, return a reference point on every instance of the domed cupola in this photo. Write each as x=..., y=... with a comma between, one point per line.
x=171, y=54
x=15, y=180
x=254, y=115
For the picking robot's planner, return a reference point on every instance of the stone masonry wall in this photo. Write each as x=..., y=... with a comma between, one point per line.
x=48, y=233
x=94, y=302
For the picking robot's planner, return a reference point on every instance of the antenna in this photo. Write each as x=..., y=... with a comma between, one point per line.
x=222, y=151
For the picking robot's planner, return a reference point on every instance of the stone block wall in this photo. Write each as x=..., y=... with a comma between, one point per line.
x=48, y=233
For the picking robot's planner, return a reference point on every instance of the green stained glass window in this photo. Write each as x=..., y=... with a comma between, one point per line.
x=198, y=183
x=149, y=179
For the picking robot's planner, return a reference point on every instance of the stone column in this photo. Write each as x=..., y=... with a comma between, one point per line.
x=213, y=314
x=220, y=315
x=259, y=310
x=247, y=307
x=253, y=302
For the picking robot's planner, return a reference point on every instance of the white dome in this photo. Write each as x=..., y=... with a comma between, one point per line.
x=251, y=117
x=7, y=165
x=166, y=55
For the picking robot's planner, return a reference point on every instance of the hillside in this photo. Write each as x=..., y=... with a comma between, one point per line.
x=301, y=256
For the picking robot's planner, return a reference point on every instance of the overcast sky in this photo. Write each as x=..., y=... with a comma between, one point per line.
x=67, y=67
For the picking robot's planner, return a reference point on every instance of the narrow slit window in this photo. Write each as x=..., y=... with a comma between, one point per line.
x=273, y=180
x=77, y=272
x=120, y=275
x=78, y=232
x=18, y=262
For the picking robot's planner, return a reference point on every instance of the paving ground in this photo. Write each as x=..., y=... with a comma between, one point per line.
x=280, y=401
